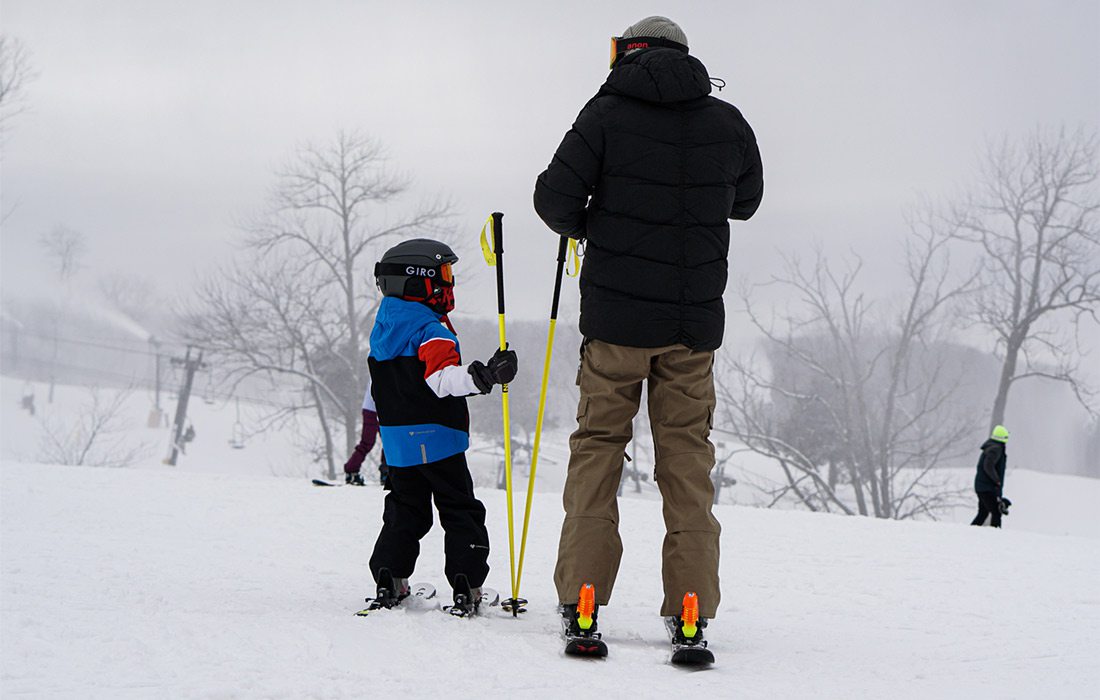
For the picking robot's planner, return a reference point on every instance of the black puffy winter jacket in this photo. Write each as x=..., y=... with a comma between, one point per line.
x=990, y=477
x=649, y=174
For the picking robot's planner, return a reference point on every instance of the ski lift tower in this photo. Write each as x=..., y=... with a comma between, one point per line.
x=190, y=364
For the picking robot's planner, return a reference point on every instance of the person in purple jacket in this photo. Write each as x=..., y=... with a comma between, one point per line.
x=367, y=438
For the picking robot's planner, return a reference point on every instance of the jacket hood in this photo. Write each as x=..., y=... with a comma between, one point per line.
x=992, y=443
x=659, y=75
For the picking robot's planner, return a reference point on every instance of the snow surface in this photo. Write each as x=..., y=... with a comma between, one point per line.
x=167, y=583
x=1047, y=503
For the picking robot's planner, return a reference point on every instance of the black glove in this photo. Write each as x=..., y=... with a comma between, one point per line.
x=500, y=370
x=353, y=479
x=483, y=378
x=503, y=364
x=1003, y=504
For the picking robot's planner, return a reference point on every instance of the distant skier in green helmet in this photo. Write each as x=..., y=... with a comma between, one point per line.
x=990, y=480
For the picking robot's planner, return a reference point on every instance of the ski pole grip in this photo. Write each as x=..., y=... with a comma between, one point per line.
x=563, y=248
x=498, y=253
x=498, y=233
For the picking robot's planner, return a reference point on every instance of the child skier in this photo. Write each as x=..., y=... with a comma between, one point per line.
x=419, y=388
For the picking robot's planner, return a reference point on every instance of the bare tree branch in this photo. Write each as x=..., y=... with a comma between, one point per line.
x=1034, y=215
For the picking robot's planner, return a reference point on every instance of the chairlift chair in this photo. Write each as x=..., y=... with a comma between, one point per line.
x=208, y=397
x=236, y=440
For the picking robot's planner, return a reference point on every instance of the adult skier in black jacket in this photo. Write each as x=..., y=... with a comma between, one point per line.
x=990, y=478
x=649, y=175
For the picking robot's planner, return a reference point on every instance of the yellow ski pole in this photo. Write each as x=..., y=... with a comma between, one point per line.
x=564, y=245
x=495, y=258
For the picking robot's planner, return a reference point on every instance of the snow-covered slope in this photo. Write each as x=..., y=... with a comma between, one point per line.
x=157, y=583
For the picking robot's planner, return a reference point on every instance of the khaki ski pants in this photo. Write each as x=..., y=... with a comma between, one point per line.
x=681, y=410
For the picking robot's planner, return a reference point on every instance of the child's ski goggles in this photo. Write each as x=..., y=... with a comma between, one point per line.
x=620, y=45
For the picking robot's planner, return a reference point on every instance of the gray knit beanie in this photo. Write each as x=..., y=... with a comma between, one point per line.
x=657, y=26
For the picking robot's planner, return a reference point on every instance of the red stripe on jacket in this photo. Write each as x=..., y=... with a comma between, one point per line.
x=438, y=353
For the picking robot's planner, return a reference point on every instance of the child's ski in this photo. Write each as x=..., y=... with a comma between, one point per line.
x=421, y=597
x=489, y=598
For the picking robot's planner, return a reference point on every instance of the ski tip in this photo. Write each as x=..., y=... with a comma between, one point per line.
x=319, y=482
x=694, y=657
x=586, y=648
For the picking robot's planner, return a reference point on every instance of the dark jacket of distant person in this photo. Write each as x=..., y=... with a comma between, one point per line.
x=991, y=469
x=665, y=165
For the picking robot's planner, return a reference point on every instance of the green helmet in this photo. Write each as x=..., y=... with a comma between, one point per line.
x=1000, y=434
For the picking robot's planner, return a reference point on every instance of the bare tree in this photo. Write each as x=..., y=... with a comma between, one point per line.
x=272, y=319
x=332, y=208
x=98, y=437
x=15, y=74
x=1034, y=217
x=857, y=409
x=65, y=248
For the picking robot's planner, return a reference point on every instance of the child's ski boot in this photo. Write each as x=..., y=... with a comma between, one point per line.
x=467, y=600
x=389, y=593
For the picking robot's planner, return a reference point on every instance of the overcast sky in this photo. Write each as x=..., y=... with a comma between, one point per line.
x=153, y=125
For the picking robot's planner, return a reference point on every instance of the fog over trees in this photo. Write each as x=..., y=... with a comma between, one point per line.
x=872, y=339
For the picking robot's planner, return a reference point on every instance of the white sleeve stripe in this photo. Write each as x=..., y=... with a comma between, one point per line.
x=453, y=380
x=432, y=340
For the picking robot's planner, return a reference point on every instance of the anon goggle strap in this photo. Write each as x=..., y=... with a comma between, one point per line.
x=620, y=45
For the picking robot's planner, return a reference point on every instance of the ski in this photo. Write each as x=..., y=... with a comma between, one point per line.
x=686, y=652
x=691, y=655
x=591, y=647
x=578, y=626
x=584, y=645
x=421, y=597
x=322, y=482
x=489, y=598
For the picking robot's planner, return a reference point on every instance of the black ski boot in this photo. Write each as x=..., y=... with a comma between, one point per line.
x=467, y=600
x=389, y=592
x=685, y=631
x=579, y=625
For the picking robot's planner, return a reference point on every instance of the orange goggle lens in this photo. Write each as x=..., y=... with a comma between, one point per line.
x=447, y=274
x=614, y=50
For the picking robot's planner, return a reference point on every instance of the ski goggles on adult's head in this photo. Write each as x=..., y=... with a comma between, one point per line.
x=446, y=273
x=621, y=45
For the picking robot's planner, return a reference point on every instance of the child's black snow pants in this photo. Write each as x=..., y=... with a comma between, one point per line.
x=987, y=505
x=408, y=517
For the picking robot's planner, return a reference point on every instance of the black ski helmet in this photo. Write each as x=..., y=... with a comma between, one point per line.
x=418, y=270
